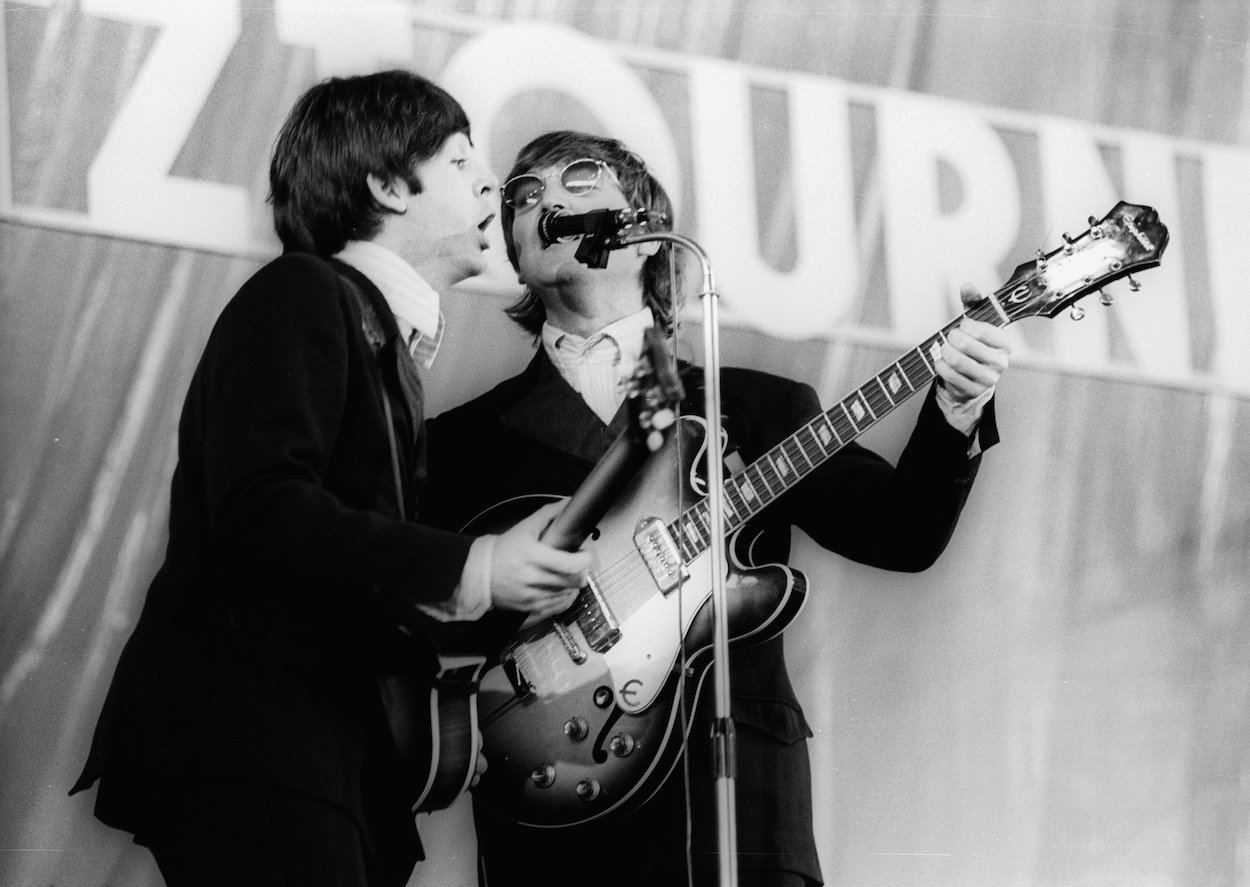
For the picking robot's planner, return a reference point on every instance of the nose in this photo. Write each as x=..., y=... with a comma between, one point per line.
x=487, y=183
x=553, y=196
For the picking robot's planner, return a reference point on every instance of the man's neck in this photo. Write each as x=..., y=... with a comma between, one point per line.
x=584, y=313
x=440, y=272
x=410, y=296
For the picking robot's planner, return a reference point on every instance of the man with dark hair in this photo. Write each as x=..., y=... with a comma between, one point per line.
x=542, y=432
x=660, y=274
x=247, y=737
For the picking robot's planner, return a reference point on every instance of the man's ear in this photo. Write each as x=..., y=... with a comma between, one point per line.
x=391, y=194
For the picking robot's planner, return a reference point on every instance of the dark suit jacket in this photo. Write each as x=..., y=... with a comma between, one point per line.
x=534, y=434
x=288, y=566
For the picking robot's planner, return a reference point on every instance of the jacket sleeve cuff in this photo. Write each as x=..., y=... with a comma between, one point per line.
x=965, y=417
x=471, y=598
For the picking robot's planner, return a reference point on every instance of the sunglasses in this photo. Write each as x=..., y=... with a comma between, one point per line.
x=579, y=177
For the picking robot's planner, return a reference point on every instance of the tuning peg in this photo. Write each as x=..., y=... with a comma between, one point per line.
x=1077, y=312
x=1068, y=240
x=1133, y=284
x=1093, y=220
x=1105, y=297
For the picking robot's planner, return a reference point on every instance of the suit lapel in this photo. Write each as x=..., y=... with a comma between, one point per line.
x=398, y=375
x=552, y=413
x=414, y=406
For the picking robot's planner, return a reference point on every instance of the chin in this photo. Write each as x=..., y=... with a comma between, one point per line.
x=476, y=265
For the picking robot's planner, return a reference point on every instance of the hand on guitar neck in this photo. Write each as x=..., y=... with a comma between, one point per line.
x=972, y=360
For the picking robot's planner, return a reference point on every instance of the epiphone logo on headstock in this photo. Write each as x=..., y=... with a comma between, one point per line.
x=1019, y=294
x=1136, y=232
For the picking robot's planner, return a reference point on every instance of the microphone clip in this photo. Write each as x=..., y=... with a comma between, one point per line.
x=601, y=231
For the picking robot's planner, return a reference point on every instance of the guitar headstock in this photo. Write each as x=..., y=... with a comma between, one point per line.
x=1127, y=239
x=653, y=392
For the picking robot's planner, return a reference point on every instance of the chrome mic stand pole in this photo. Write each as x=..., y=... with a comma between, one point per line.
x=723, y=751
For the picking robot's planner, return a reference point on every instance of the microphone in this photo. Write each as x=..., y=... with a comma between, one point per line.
x=607, y=224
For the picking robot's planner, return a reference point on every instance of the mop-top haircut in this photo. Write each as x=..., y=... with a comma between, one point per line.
x=340, y=131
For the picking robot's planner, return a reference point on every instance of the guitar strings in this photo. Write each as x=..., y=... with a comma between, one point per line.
x=803, y=452
x=623, y=584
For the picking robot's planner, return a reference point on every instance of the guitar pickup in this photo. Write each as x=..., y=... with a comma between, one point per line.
x=659, y=552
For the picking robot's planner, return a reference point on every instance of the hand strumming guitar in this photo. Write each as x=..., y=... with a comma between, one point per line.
x=528, y=575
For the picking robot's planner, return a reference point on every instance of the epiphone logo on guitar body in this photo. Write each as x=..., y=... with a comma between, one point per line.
x=641, y=627
x=629, y=691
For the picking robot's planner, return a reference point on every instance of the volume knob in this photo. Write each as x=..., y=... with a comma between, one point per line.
x=544, y=775
x=588, y=789
x=576, y=729
x=622, y=744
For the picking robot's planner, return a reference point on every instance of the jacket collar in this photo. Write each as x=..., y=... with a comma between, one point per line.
x=551, y=412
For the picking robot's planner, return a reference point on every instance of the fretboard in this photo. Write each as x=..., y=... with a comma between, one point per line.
x=751, y=491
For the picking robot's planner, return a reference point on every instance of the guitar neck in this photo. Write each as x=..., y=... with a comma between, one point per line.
x=789, y=462
x=569, y=529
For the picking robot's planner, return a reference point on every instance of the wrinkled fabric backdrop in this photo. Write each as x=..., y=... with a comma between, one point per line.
x=1063, y=700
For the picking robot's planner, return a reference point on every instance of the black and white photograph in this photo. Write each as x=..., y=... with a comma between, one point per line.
x=627, y=443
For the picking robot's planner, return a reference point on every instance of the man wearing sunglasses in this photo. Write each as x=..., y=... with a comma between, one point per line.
x=246, y=738
x=542, y=431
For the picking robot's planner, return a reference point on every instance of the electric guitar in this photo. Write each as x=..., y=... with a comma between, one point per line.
x=436, y=726
x=435, y=729
x=581, y=712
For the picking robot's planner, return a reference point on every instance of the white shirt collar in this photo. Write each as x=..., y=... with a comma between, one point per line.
x=625, y=333
x=411, y=299
x=597, y=366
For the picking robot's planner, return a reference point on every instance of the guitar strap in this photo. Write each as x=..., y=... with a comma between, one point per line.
x=376, y=338
x=418, y=743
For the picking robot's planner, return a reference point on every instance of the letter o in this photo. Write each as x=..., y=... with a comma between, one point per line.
x=502, y=62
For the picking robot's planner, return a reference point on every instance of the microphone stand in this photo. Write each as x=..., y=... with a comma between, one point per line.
x=601, y=232
x=723, y=742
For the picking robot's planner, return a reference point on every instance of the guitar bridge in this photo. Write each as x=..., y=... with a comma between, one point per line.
x=576, y=653
x=659, y=552
x=596, y=621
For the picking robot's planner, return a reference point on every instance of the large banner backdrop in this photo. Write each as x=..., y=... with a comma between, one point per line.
x=1064, y=699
